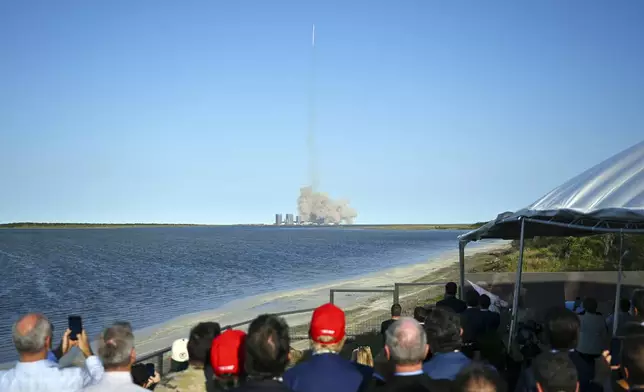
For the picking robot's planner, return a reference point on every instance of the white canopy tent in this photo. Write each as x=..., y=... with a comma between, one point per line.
x=607, y=198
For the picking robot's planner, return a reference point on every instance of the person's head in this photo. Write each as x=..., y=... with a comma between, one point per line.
x=406, y=342
x=179, y=355
x=633, y=354
x=484, y=301
x=472, y=298
x=140, y=374
x=555, y=372
x=200, y=341
x=590, y=305
x=638, y=302
x=420, y=313
x=396, y=310
x=227, y=357
x=32, y=335
x=116, y=348
x=562, y=328
x=363, y=356
x=327, y=330
x=123, y=324
x=478, y=378
x=267, y=347
x=624, y=305
x=443, y=328
x=451, y=288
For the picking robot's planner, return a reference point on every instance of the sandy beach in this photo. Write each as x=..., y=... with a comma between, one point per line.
x=363, y=309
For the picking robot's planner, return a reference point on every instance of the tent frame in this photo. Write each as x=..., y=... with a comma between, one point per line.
x=600, y=227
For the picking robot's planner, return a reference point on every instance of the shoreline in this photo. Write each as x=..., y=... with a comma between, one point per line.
x=359, y=307
x=77, y=226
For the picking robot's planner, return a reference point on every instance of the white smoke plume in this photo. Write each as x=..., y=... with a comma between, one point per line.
x=317, y=207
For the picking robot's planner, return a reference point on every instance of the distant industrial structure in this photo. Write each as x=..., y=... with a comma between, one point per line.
x=289, y=220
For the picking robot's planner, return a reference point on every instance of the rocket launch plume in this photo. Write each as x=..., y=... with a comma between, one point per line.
x=314, y=206
x=317, y=207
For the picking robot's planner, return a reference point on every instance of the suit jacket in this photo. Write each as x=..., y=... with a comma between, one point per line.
x=415, y=383
x=453, y=303
x=491, y=320
x=473, y=322
x=328, y=373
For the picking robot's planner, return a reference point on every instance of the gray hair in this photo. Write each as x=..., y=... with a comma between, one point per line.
x=406, y=340
x=116, y=346
x=34, y=340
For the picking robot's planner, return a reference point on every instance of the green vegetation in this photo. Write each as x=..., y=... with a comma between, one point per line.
x=449, y=226
x=553, y=254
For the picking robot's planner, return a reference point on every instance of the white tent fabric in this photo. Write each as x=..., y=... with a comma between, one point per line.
x=607, y=197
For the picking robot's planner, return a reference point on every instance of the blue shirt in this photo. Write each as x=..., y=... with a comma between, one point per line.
x=46, y=376
x=445, y=366
x=328, y=373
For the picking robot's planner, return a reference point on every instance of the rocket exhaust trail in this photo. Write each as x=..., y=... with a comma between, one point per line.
x=314, y=206
x=313, y=169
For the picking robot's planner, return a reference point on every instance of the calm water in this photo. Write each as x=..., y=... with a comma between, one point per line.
x=151, y=275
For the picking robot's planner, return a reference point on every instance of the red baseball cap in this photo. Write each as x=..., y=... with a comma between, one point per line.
x=226, y=352
x=328, y=320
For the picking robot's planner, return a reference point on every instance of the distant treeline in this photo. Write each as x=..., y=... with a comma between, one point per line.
x=554, y=254
x=37, y=225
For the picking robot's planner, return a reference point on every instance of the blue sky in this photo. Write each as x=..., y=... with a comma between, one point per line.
x=196, y=111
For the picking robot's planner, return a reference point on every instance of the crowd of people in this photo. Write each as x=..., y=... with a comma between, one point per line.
x=452, y=345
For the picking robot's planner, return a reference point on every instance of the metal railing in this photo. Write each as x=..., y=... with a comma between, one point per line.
x=300, y=332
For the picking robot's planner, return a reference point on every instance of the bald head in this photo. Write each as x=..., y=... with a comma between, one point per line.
x=32, y=334
x=406, y=341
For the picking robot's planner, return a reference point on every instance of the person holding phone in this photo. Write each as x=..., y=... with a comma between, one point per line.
x=32, y=336
x=116, y=350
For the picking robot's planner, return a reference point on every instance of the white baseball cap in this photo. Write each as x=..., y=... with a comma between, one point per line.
x=180, y=350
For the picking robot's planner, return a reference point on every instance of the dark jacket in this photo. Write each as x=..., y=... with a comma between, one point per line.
x=585, y=375
x=445, y=366
x=453, y=303
x=415, y=383
x=262, y=386
x=473, y=324
x=491, y=320
x=328, y=373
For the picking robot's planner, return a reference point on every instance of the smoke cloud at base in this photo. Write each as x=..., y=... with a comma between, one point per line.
x=317, y=207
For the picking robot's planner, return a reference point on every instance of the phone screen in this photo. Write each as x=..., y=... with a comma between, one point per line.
x=150, y=367
x=76, y=326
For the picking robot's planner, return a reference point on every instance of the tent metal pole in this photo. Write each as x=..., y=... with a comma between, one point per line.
x=517, y=287
x=461, y=263
x=618, y=289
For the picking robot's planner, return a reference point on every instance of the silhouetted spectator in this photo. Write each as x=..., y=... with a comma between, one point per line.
x=472, y=320
x=406, y=347
x=443, y=329
x=637, y=302
x=478, y=378
x=419, y=314
x=555, y=372
x=227, y=359
x=561, y=329
x=199, y=375
x=396, y=311
x=116, y=351
x=326, y=370
x=633, y=357
x=623, y=316
x=32, y=336
x=491, y=320
x=592, y=332
x=450, y=301
x=266, y=355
